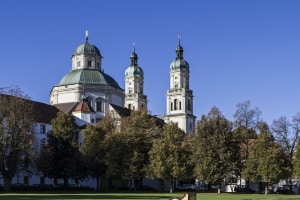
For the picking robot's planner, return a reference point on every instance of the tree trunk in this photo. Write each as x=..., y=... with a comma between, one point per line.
x=171, y=186
x=109, y=183
x=7, y=184
x=219, y=188
x=162, y=183
x=141, y=182
x=98, y=183
x=135, y=184
x=266, y=189
x=66, y=181
x=247, y=186
x=290, y=185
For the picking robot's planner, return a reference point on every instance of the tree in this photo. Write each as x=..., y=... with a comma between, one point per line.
x=127, y=150
x=245, y=116
x=267, y=162
x=170, y=156
x=139, y=129
x=115, y=155
x=16, y=135
x=296, y=161
x=216, y=150
x=93, y=147
x=61, y=152
x=245, y=123
x=287, y=135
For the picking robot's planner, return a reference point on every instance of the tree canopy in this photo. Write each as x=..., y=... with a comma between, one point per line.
x=216, y=150
x=60, y=151
x=16, y=135
x=169, y=155
x=267, y=162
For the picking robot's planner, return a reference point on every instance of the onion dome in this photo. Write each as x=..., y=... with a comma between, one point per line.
x=134, y=69
x=87, y=48
x=179, y=63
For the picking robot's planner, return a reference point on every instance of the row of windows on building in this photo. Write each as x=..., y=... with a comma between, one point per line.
x=130, y=91
x=89, y=64
x=176, y=84
x=176, y=105
x=131, y=107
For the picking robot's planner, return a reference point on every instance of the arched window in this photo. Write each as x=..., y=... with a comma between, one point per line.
x=129, y=106
x=179, y=105
x=175, y=104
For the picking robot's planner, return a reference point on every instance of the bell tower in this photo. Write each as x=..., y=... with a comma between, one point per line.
x=179, y=95
x=134, y=85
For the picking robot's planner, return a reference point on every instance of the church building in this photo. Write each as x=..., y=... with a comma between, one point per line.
x=87, y=83
x=87, y=93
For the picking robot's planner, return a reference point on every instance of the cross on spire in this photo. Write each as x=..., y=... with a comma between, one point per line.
x=86, y=36
x=179, y=49
x=133, y=45
x=179, y=37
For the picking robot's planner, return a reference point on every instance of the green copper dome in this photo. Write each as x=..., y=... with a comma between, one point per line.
x=87, y=48
x=179, y=64
x=134, y=71
x=89, y=77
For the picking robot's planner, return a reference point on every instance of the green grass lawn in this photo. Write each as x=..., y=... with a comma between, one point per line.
x=144, y=196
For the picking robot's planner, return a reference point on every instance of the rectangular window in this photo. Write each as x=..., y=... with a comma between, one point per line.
x=99, y=106
x=89, y=63
x=189, y=105
x=78, y=63
x=42, y=129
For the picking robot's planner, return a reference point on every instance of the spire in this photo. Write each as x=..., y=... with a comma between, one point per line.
x=86, y=36
x=179, y=50
x=133, y=57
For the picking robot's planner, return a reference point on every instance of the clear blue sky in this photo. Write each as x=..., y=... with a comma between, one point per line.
x=238, y=50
